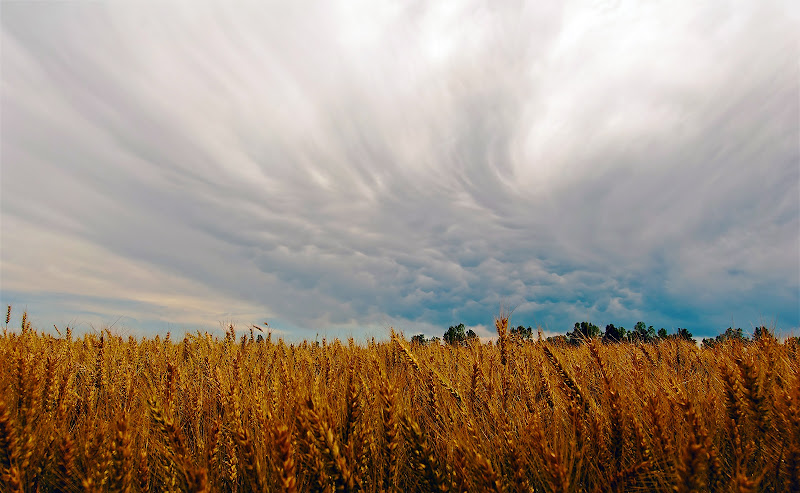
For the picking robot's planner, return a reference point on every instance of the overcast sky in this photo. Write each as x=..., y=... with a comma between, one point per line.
x=343, y=167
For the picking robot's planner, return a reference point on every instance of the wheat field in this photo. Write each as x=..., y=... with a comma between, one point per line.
x=238, y=414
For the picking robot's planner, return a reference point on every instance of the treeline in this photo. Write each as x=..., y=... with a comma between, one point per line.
x=582, y=331
x=454, y=335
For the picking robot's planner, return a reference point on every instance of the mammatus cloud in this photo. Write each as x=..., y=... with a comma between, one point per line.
x=361, y=167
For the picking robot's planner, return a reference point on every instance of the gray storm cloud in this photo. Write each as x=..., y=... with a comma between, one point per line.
x=356, y=167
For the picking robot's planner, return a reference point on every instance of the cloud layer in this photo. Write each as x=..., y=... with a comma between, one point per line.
x=359, y=166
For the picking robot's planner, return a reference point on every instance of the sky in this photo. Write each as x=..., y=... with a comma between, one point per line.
x=339, y=168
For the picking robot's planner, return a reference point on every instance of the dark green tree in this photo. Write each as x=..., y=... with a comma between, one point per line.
x=614, y=334
x=763, y=334
x=583, y=331
x=525, y=333
x=730, y=334
x=685, y=335
x=662, y=333
x=558, y=340
x=643, y=333
x=418, y=339
x=455, y=335
x=736, y=334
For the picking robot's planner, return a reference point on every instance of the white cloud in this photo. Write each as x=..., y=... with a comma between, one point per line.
x=389, y=164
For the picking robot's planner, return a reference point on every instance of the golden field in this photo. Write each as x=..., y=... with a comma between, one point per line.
x=235, y=414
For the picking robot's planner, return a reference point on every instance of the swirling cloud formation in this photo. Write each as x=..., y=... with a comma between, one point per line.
x=350, y=166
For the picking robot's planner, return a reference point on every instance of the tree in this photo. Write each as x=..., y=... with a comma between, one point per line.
x=763, y=334
x=662, y=333
x=583, y=331
x=455, y=335
x=685, y=335
x=418, y=340
x=643, y=333
x=730, y=334
x=471, y=335
x=614, y=334
x=525, y=333
x=558, y=340
x=737, y=334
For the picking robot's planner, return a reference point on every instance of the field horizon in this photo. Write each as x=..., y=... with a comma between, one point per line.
x=241, y=413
